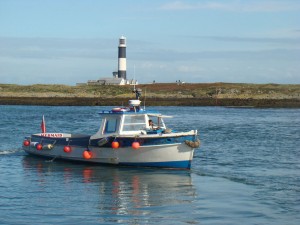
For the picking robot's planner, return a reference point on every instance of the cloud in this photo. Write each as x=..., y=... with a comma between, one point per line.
x=265, y=40
x=179, y=5
x=55, y=60
x=172, y=55
x=103, y=50
x=237, y=6
x=57, y=48
x=190, y=69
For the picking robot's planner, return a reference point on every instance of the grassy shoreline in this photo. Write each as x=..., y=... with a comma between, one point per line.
x=213, y=94
x=57, y=101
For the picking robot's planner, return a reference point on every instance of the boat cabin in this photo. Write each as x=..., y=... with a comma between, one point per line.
x=129, y=123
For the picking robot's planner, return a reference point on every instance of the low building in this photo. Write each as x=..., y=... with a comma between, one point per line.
x=112, y=81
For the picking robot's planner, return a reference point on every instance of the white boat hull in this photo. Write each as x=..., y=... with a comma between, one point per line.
x=177, y=155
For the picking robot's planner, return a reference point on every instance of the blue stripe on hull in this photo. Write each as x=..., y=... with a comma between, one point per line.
x=173, y=164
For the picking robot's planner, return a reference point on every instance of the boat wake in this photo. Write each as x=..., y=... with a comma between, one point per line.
x=10, y=152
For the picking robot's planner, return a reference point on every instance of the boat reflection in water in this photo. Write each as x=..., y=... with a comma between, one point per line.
x=117, y=194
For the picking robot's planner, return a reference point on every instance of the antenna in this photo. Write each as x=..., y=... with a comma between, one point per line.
x=134, y=77
x=145, y=98
x=138, y=91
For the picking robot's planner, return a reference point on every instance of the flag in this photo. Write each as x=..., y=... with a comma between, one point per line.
x=43, y=125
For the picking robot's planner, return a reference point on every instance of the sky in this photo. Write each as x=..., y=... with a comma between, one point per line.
x=195, y=41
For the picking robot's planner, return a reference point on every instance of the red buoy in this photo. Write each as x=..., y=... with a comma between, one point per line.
x=87, y=154
x=135, y=145
x=115, y=144
x=26, y=143
x=39, y=147
x=67, y=149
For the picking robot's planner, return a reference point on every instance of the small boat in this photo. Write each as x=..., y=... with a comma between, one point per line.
x=126, y=137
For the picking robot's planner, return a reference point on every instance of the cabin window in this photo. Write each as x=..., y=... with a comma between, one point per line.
x=111, y=126
x=157, y=121
x=134, y=123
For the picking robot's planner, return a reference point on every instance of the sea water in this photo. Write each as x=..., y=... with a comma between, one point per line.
x=247, y=171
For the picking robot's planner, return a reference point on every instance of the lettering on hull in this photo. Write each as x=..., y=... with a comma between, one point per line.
x=51, y=135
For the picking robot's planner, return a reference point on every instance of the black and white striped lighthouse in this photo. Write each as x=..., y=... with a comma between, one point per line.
x=122, y=58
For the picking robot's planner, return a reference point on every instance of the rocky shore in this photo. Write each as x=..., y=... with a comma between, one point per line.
x=213, y=94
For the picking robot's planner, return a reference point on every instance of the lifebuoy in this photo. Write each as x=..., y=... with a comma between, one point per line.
x=120, y=109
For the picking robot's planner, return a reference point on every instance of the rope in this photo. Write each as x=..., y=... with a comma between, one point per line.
x=193, y=144
x=51, y=160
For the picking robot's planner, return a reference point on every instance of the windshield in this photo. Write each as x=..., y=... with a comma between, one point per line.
x=134, y=122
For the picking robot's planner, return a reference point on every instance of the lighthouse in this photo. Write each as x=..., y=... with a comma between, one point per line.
x=120, y=76
x=122, y=58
